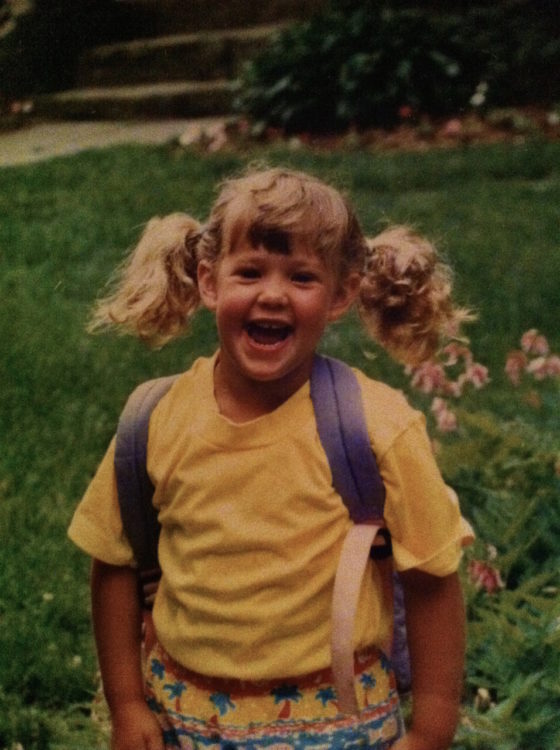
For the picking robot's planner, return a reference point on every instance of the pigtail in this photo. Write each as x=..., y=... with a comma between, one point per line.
x=405, y=296
x=155, y=291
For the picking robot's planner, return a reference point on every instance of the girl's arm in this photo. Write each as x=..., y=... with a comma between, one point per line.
x=116, y=624
x=435, y=619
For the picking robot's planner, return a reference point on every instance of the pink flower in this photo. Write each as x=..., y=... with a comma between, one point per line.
x=455, y=387
x=453, y=128
x=405, y=112
x=438, y=405
x=532, y=342
x=515, y=366
x=541, y=345
x=428, y=377
x=485, y=576
x=553, y=366
x=454, y=352
x=538, y=368
x=477, y=374
x=446, y=420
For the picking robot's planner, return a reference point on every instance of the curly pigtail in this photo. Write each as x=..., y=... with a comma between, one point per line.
x=405, y=296
x=155, y=292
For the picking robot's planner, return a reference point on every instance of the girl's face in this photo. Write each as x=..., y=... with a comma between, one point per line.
x=271, y=309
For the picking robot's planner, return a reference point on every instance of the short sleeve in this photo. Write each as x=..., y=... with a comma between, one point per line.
x=421, y=511
x=96, y=526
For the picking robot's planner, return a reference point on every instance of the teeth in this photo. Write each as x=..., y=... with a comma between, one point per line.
x=268, y=332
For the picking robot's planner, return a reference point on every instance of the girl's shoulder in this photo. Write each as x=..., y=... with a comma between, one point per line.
x=387, y=411
x=191, y=392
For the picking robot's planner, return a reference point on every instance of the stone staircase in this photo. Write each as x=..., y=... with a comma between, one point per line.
x=182, y=63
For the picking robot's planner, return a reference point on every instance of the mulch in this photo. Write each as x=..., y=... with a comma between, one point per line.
x=505, y=125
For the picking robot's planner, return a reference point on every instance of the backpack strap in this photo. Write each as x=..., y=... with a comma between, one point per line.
x=350, y=573
x=341, y=424
x=135, y=489
x=342, y=429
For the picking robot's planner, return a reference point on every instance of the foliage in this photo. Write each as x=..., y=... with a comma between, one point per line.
x=371, y=64
x=514, y=652
x=67, y=222
x=507, y=476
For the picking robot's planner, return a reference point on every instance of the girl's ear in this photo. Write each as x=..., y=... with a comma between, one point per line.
x=207, y=284
x=345, y=296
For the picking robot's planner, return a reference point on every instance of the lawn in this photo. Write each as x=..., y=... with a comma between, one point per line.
x=495, y=213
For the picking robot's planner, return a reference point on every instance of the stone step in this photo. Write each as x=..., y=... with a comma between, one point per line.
x=209, y=55
x=164, y=17
x=185, y=99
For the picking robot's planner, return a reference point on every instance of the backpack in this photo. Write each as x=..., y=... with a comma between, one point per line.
x=336, y=397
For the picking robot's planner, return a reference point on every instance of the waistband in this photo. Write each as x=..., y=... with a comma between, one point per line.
x=362, y=661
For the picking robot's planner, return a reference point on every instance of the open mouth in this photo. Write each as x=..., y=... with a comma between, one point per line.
x=268, y=334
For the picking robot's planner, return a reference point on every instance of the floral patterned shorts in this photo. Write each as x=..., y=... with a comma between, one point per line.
x=201, y=713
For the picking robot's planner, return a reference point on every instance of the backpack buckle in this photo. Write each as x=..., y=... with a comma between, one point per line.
x=382, y=547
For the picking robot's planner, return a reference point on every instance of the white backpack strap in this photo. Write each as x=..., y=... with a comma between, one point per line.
x=348, y=581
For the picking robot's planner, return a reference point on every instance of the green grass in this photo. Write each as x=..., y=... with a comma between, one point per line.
x=66, y=223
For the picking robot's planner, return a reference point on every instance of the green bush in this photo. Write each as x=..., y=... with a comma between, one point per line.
x=506, y=474
x=513, y=659
x=359, y=68
x=370, y=64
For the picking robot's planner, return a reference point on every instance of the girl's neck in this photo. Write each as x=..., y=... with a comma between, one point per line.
x=241, y=400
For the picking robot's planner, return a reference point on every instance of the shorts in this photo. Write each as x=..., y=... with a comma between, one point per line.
x=202, y=713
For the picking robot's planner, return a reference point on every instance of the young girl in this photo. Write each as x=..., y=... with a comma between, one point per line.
x=252, y=528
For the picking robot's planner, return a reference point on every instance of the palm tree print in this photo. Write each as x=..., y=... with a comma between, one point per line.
x=158, y=668
x=286, y=694
x=385, y=663
x=223, y=702
x=369, y=682
x=176, y=690
x=326, y=695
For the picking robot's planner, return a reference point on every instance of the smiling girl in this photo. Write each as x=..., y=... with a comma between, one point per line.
x=252, y=527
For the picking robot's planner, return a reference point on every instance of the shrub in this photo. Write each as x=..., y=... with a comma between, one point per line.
x=369, y=64
x=506, y=476
x=356, y=68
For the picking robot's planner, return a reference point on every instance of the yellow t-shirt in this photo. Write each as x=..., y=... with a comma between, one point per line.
x=252, y=528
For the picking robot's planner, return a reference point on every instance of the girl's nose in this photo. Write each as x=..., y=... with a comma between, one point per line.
x=273, y=292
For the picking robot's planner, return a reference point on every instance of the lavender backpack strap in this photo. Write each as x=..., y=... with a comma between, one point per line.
x=342, y=429
x=135, y=489
x=339, y=413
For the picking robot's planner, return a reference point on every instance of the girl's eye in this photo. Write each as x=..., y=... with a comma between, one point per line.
x=304, y=277
x=248, y=273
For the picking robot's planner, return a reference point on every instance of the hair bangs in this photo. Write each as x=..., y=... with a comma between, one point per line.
x=277, y=208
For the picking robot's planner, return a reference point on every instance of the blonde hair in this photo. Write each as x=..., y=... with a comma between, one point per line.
x=405, y=296
x=405, y=291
